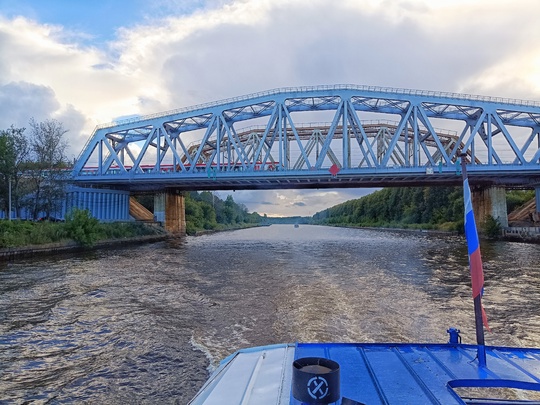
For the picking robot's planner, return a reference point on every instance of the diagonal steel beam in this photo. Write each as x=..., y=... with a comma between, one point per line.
x=395, y=138
x=339, y=113
x=427, y=123
x=509, y=139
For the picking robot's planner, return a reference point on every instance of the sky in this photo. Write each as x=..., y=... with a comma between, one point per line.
x=90, y=62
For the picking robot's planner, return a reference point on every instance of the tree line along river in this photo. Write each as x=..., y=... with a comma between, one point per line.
x=146, y=324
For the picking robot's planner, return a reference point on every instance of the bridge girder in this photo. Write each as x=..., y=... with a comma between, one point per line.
x=269, y=140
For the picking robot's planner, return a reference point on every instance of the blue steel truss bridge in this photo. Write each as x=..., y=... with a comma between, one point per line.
x=320, y=137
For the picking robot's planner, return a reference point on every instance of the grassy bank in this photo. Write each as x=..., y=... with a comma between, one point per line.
x=450, y=227
x=80, y=228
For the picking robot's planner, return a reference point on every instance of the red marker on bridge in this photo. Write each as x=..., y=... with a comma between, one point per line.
x=334, y=170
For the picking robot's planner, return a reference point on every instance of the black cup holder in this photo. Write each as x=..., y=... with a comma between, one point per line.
x=316, y=380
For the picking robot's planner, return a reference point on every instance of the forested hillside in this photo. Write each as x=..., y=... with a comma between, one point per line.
x=408, y=207
x=206, y=211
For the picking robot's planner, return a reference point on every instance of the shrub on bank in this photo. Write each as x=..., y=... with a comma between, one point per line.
x=82, y=227
x=119, y=230
x=491, y=227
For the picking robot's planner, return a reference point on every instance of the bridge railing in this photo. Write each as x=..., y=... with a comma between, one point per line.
x=374, y=89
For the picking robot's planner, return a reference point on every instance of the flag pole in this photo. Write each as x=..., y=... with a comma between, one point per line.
x=9, y=214
x=475, y=264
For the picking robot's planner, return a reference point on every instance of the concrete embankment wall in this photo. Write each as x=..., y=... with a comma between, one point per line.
x=522, y=233
x=7, y=254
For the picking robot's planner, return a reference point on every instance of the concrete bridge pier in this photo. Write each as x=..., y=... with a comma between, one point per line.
x=159, y=207
x=169, y=208
x=490, y=201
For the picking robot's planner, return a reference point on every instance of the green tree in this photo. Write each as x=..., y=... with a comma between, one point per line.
x=430, y=207
x=228, y=210
x=209, y=215
x=205, y=211
x=14, y=155
x=47, y=171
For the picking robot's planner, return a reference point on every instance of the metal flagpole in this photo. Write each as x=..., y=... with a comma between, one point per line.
x=9, y=213
x=475, y=264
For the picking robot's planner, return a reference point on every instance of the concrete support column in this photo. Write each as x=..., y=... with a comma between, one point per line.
x=175, y=213
x=490, y=201
x=159, y=207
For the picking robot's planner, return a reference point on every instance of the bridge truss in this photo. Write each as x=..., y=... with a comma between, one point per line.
x=316, y=137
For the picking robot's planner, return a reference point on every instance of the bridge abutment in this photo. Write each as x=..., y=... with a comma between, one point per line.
x=490, y=201
x=103, y=204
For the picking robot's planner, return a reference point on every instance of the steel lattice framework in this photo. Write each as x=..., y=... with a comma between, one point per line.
x=323, y=136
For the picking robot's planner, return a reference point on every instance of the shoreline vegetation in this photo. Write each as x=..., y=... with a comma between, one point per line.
x=417, y=209
x=205, y=213
x=414, y=208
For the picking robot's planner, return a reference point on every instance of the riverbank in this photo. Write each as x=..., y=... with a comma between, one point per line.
x=9, y=254
x=510, y=234
x=232, y=228
x=527, y=234
x=47, y=249
x=404, y=230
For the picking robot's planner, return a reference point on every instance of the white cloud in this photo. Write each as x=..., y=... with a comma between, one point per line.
x=22, y=100
x=38, y=54
x=228, y=49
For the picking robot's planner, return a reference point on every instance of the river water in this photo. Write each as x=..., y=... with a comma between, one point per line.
x=146, y=324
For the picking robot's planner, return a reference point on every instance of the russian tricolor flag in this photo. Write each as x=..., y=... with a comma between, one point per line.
x=473, y=243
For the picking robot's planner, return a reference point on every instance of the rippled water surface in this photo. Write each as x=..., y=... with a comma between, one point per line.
x=145, y=324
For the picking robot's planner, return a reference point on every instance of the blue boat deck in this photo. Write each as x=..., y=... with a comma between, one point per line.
x=380, y=374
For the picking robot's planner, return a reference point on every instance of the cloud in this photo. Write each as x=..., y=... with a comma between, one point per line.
x=40, y=55
x=21, y=101
x=244, y=47
x=74, y=121
x=210, y=50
